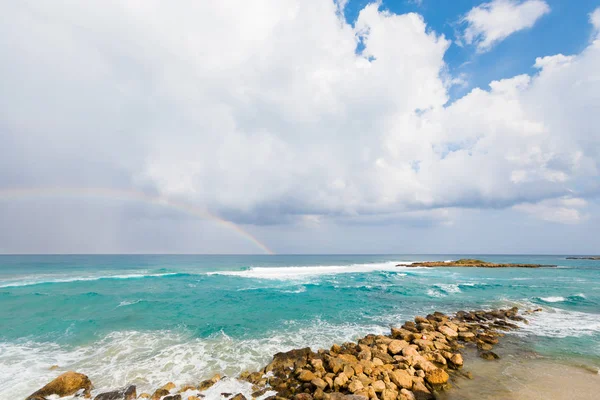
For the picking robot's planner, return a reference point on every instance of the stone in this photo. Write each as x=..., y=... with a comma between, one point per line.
x=466, y=336
x=355, y=386
x=410, y=351
x=484, y=346
x=420, y=390
x=389, y=394
x=437, y=377
x=66, y=384
x=348, y=358
x=489, y=355
x=303, y=396
x=172, y=397
x=52, y=368
x=144, y=396
x=159, y=393
x=306, y=376
x=256, y=393
x=364, y=355
x=209, y=382
x=457, y=360
x=319, y=383
x=193, y=398
x=402, y=378
x=186, y=388
x=128, y=393
x=405, y=395
x=448, y=332
x=378, y=386
x=292, y=359
x=340, y=381
x=348, y=371
x=240, y=396
x=169, y=386
x=396, y=346
x=419, y=319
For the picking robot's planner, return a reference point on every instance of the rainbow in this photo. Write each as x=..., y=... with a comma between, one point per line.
x=129, y=195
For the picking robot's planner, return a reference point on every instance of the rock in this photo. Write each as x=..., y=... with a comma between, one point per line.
x=467, y=336
x=319, y=383
x=355, y=386
x=193, y=398
x=401, y=378
x=292, y=359
x=405, y=395
x=457, y=360
x=340, y=381
x=66, y=384
x=410, y=351
x=484, y=346
x=437, y=377
x=389, y=394
x=419, y=319
x=240, y=396
x=52, y=368
x=209, y=382
x=169, y=386
x=305, y=375
x=448, y=332
x=159, y=393
x=396, y=346
x=255, y=394
x=420, y=391
x=186, y=388
x=378, y=386
x=173, y=397
x=489, y=355
x=128, y=393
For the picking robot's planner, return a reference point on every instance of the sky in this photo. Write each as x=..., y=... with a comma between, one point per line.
x=300, y=126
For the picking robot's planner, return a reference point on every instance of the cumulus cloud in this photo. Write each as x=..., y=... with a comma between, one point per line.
x=490, y=23
x=566, y=210
x=264, y=112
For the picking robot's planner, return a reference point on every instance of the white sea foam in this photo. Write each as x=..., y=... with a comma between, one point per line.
x=555, y=322
x=299, y=272
x=552, y=299
x=41, y=279
x=150, y=359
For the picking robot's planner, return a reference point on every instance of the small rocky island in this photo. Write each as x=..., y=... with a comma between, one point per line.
x=414, y=362
x=469, y=262
x=596, y=258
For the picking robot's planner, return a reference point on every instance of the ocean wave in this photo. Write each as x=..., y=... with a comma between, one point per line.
x=149, y=359
x=63, y=279
x=559, y=323
x=552, y=299
x=302, y=272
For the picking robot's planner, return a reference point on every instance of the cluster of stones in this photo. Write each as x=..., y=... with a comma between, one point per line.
x=412, y=363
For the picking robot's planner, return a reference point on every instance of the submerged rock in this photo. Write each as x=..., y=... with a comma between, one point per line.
x=489, y=355
x=66, y=384
x=128, y=393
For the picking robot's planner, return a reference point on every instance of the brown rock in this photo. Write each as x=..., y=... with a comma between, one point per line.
x=186, y=388
x=448, y=332
x=169, y=386
x=128, y=393
x=401, y=378
x=319, y=383
x=193, y=398
x=355, y=386
x=209, y=382
x=396, y=346
x=305, y=375
x=340, y=381
x=420, y=390
x=66, y=384
x=457, y=360
x=52, y=368
x=389, y=394
x=437, y=377
x=172, y=397
x=378, y=386
x=303, y=396
x=489, y=355
x=144, y=396
x=240, y=396
x=159, y=393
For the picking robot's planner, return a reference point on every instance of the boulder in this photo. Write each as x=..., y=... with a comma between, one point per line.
x=355, y=386
x=240, y=396
x=186, y=388
x=405, y=395
x=169, y=386
x=450, y=333
x=172, y=397
x=159, y=393
x=402, y=378
x=66, y=384
x=457, y=360
x=389, y=394
x=489, y=355
x=437, y=377
x=128, y=393
x=396, y=346
x=378, y=386
x=292, y=359
x=319, y=383
x=144, y=396
x=306, y=376
x=340, y=380
x=209, y=382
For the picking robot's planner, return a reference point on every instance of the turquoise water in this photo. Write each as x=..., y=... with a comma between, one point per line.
x=151, y=319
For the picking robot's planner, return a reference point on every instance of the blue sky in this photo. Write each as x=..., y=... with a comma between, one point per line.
x=208, y=127
x=565, y=30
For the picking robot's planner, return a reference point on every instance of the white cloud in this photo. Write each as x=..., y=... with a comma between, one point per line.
x=565, y=210
x=595, y=20
x=490, y=23
x=264, y=113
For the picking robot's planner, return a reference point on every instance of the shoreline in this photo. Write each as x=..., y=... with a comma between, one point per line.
x=418, y=361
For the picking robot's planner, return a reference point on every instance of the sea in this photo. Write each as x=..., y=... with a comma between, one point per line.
x=150, y=319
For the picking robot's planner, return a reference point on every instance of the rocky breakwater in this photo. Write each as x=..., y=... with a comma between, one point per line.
x=472, y=263
x=413, y=362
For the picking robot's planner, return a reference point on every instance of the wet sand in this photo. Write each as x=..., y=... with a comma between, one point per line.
x=520, y=375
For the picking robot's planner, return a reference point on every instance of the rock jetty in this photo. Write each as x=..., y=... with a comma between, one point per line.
x=413, y=362
x=468, y=262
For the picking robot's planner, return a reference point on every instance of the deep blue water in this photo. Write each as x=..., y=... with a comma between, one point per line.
x=154, y=318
